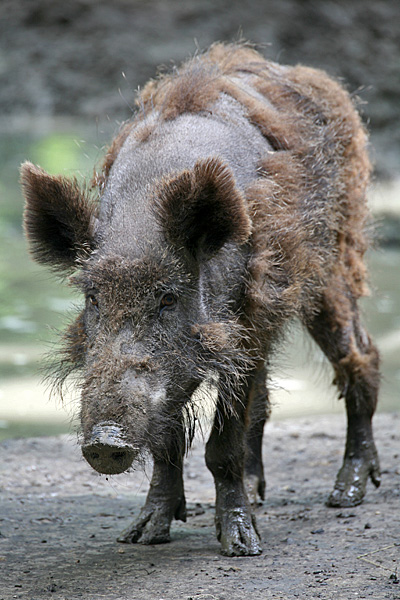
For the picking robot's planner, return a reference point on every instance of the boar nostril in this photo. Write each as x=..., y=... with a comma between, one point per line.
x=107, y=451
x=107, y=459
x=118, y=456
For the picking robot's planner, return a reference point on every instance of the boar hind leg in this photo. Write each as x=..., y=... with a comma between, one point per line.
x=225, y=455
x=165, y=501
x=340, y=335
x=258, y=414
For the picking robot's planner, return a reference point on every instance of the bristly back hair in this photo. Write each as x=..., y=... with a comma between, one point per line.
x=312, y=186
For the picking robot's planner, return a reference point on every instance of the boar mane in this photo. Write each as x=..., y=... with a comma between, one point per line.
x=319, y=145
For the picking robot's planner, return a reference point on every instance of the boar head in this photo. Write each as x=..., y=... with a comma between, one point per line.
x=160, y=313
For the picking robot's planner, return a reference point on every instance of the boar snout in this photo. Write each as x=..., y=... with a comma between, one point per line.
x=107, y=451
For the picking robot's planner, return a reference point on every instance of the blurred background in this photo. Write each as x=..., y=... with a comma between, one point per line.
x=68, y=75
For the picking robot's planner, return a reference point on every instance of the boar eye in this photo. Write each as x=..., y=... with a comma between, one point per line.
x=93, y=300
x=167, y=302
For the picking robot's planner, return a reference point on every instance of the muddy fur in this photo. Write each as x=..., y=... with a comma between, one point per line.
x=233, y=202
x=129, y=291
x=315, y=182
x=303, y=217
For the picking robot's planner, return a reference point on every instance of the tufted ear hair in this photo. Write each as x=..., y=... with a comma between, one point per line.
x=59, y=218
x=202, y=209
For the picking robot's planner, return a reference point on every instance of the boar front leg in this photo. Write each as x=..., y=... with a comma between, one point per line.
x=339, y=333
x=259, y=412
x=165, y=501
x=225, y=456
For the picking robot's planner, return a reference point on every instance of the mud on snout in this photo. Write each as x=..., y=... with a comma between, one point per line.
x=107, y=451
x=117, y=410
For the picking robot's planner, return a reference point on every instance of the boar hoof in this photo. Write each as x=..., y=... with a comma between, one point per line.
x=152, y=527
x=352, y=480
x=237, y=532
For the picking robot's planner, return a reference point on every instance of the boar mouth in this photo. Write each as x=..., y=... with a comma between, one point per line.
x=107, y=451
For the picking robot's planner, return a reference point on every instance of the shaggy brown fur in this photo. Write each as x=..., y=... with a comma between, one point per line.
x=233, y=201
x=99, y=179
x=315, y=182
x=126, y=285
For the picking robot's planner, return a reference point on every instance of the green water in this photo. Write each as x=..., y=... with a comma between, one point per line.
x=29, y=296
x=34, y=304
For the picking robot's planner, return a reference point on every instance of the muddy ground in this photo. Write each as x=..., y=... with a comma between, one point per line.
x=59, y=521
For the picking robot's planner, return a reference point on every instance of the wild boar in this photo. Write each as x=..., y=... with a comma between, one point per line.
x=232, y=202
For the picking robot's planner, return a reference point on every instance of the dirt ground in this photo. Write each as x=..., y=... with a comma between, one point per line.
x=59, y=521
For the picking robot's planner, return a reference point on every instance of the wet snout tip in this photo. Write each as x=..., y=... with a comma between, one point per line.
x=109, y=459
x=106, y=451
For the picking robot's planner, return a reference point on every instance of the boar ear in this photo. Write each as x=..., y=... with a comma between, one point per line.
x=202, y=209
x=58, y=219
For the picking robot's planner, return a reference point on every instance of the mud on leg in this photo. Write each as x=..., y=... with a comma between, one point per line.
x=339, y=333
x=165, y=500
x=225, y=453
x=259, y=412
